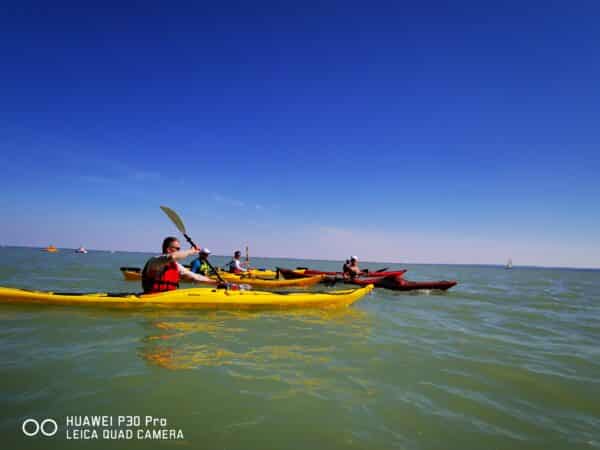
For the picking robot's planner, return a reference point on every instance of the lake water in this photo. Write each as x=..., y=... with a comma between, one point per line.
x=506, y=359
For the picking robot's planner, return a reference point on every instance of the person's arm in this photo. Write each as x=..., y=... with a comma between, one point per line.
x=156, y=263
x=186, y=273
x=182, y=254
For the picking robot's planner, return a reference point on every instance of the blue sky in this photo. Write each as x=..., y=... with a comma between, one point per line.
x=433, y=132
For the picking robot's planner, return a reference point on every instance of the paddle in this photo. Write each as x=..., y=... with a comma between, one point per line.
x=367, y=271
x=181, y=227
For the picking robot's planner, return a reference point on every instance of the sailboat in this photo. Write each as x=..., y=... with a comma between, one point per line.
x=509, y=264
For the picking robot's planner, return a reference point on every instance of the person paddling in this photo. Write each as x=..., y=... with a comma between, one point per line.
x=346, y=268
x=352, y=270
x=201, y=265
x=162, y=273
x=235, y=265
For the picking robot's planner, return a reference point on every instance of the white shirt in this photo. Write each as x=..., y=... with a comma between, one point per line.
x=237, y=265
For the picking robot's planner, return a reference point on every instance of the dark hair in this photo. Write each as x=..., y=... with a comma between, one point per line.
x=237, y=252
x=167, y=243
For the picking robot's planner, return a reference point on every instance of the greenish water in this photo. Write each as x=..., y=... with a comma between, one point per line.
x=507, y=359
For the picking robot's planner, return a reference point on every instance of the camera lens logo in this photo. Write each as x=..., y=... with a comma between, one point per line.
x=32, y=427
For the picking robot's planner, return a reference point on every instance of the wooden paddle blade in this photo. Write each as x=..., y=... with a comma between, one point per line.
x=174, y=218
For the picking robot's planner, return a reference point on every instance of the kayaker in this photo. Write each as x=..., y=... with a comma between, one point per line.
x=346, y=267
x=200, y=265
x=162, y=273
x=235, y=265
x=353, y=269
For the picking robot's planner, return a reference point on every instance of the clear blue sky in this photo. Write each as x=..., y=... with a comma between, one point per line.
x=460, y=132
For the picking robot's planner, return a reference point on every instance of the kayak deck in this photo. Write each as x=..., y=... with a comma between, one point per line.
x=202, y=298
x=258, y=282
x=398, y=283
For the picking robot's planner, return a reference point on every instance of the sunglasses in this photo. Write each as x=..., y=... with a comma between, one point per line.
x=175, y=248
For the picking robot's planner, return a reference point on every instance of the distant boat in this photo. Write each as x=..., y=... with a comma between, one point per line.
x=50, y=249
x=509, y=264
x=81, y=250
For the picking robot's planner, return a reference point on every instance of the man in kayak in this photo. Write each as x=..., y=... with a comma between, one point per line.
x=352, y=270
x=200, y=265
x=162, y=273
x=235, y=265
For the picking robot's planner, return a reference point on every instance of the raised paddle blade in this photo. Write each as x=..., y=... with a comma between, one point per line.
x=174, y=218
x=179, y=224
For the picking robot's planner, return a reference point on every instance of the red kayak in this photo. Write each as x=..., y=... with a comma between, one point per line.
x=290, y=274
x=367, y=273
x=397, y=283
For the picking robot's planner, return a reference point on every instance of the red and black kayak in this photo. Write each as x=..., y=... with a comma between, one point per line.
x=290, y=274
x=366, y=273
x=302, y=273
x=394, y=280
x=397, y=283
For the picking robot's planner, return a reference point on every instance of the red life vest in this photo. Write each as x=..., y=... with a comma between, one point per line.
x=165, y=280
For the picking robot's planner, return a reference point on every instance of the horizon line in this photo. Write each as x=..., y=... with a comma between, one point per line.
x=524, y=266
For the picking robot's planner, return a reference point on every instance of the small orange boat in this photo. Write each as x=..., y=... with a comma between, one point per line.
x=51, y=249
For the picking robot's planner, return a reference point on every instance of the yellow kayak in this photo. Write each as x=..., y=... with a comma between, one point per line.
x=51, y=249
x=204, y=298
x=130, y=274
x=264, y=274
x=255, y=273
x=258, y=282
